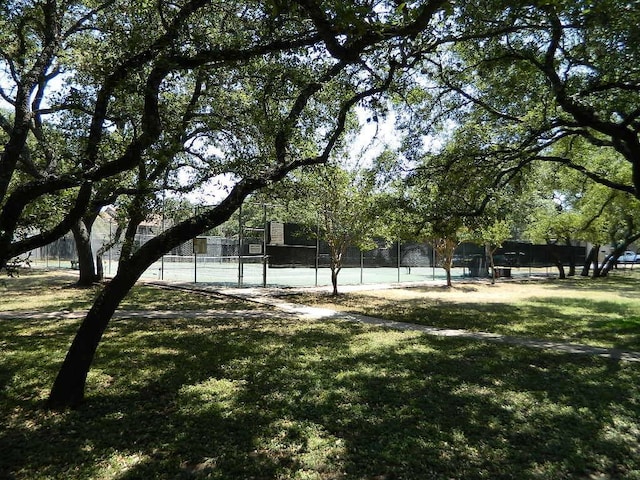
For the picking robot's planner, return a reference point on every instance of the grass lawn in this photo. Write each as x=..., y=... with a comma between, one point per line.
x=274, y=397
x=603, y=312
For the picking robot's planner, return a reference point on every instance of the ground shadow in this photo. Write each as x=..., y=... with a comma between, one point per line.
x=280, y=398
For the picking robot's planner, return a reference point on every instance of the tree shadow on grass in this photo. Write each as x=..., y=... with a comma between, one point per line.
x=272, y=398
x=35, y=279
x=424, y=408
x=591, y=322
x=148, y=297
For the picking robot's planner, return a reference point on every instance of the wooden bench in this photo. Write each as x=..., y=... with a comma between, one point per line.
x=75, y=264
x=13, y=268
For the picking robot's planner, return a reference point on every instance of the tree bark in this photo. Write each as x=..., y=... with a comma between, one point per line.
x=611, y=261
x=447, y=269
x=69, y=386
x=561, y=273
x=334, y=281
x=553, y=252
x=572, y=258
x=488, y=253
x=592, y=257
x=82, y=237
x=337, y=251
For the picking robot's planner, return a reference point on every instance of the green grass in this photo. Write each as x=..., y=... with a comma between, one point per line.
x=45, y=291
x=275, y=398
x=42, y=292
x=151, y=298
x=604, y=313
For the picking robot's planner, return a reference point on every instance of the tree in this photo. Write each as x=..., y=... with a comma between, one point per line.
x=567, y=207
x=615, y=216
x=560, y=71
x=260, y=91
x=341, y=205
x=445, y=235
x=425, y=212
x=552, y=76
x=459, y=191
x=492, y=235
x=36, y=164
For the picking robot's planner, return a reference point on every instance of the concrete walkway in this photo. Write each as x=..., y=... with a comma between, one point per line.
x=265, y=296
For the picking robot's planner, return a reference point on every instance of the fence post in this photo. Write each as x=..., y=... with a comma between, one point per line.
x=264, y=247
x=111, y=247
x=195, y=253
x=398, y=260
x=433, y=262
x=317, y=247
x=240, y=242
x=161, y=227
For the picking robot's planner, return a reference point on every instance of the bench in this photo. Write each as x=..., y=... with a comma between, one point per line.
x=13, y=268
x=75, y=264
x=502, y=272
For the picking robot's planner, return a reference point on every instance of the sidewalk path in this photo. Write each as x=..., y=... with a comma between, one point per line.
x=265, y=296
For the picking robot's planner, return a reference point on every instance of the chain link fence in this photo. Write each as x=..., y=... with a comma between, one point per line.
x=262, y=245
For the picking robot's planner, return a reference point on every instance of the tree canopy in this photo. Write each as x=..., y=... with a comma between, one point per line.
x=107, y=101
x=110, y=99
x=551, y=72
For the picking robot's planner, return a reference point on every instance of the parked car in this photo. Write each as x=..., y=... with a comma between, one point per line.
x=629, y=257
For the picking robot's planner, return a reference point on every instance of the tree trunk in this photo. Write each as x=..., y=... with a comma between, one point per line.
x=592, y=257
x=561, y=273
x=68, y=388
x=99, y=267
x=488, y=253
x=447, y=269
x=334, y=281
x=337, y=252
x=69, y=385
x=557, y=260
x=572, y=258
x=611, y=261
x=82, y=237
x=602, y=269
x=335, y=270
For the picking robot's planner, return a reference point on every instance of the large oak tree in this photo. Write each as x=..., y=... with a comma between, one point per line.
x=152, y=95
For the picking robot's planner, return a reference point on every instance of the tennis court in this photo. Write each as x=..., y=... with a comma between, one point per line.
x=251, y=272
